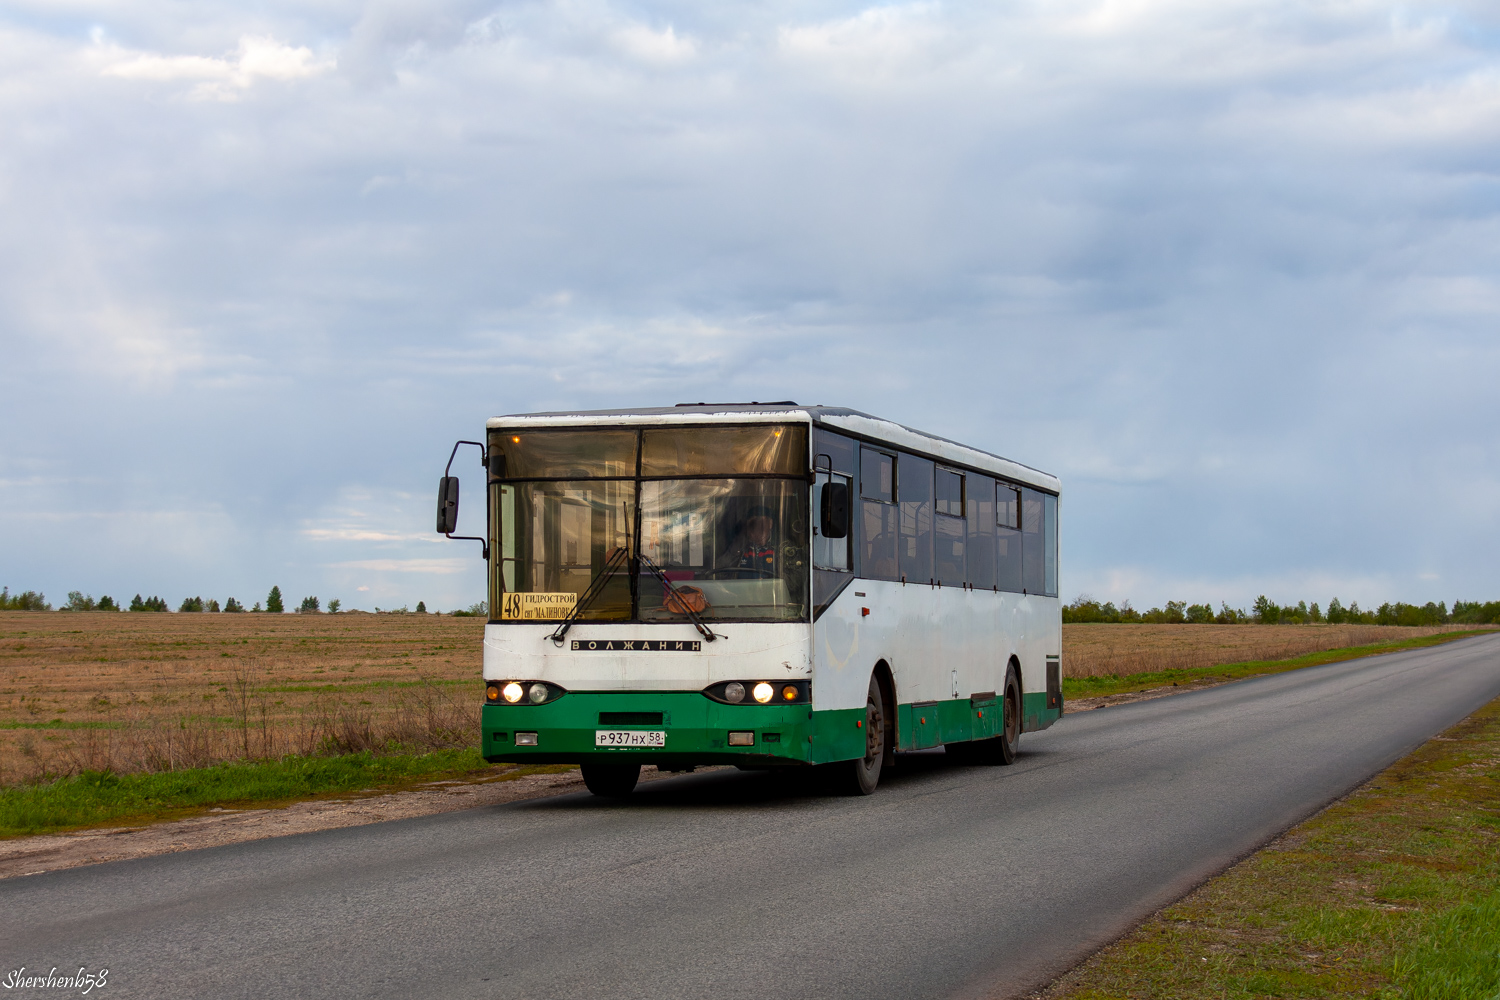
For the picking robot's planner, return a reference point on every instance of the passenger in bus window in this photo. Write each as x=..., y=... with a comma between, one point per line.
x=753, y=550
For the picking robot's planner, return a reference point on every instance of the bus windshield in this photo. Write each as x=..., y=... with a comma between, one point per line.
x=718, y=513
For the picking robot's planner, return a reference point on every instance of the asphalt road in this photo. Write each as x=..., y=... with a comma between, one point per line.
x=948, y=881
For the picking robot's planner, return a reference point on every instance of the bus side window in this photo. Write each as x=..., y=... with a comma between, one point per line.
x=916, y=519
x=1049, y=544
x=949, y=534
x=877, y=475
x=877, y=515
x=1008, y=538
x=980, y=546
x=1033, y=543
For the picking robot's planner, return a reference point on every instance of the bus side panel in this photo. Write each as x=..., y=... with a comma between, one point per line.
x=946, y=647
x=1042, y=618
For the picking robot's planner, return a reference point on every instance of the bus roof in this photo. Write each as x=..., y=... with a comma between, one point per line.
x=835, y=418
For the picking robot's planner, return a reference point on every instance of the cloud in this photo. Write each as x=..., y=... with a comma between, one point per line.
x=424, y=566
x=217, y=77
x=1227, y=268
x=664, y=46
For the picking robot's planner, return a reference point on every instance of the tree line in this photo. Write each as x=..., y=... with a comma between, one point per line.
x=32, y=600
x=1084, y=609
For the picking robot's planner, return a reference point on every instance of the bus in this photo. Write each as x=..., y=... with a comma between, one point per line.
x=765, y=585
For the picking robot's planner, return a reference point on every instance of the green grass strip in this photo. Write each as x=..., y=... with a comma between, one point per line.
x=1453, y=955
x=1094, y=687
x=96, y=798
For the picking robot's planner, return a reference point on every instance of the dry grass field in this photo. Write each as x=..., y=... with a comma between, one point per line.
x=153, y=692
x=1103, y=650
x=133, y=692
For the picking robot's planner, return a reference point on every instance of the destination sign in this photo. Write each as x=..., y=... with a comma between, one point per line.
x=537, y=606
x=638, y=645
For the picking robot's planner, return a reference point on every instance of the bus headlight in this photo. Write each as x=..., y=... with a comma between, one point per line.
x=538, y=693
x=753, y=692
x=511, y=692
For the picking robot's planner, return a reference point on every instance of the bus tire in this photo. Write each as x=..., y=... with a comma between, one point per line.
x=1009, y=741
x=863, y=773
x=614, y=781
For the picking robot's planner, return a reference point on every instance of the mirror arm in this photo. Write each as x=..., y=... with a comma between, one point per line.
x=484, y=545
x=483, y=456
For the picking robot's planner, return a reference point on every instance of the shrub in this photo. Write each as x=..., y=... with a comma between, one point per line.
x=1474, y=613
x=78, y=602
x=422, y=607
x=1266, y=613
x=27, y=600
x=333, y=606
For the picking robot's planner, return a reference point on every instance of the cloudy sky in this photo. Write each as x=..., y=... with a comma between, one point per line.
x=1228, y=268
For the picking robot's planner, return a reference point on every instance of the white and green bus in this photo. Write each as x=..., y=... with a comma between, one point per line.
x=764, y=585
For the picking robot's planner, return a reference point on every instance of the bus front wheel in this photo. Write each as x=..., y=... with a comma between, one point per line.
x=864, y=773
x=613, y=781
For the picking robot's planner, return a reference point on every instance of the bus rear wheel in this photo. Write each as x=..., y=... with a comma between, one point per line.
x=1010, y=739
x=863, y=774
x=614, y=781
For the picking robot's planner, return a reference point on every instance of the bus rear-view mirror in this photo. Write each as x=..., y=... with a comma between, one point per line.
x=447, y=505
x=835, y=510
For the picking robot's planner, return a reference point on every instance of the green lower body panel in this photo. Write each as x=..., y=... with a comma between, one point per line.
x=696, y=731
x=1036, y=713
x=928, y=724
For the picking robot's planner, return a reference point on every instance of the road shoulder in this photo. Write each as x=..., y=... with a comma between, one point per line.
x=50, y=852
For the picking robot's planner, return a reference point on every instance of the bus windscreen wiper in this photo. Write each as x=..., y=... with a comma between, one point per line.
x=595, y=588
x=708, y=634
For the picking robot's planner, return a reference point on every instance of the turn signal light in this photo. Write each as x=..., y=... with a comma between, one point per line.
x=789, y=692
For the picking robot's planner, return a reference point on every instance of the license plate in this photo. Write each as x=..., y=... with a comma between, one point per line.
x=630, y=738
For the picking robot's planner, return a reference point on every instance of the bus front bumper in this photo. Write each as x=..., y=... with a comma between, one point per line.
x=696, y=730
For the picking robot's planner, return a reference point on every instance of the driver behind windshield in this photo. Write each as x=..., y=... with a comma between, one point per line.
x=753, y=549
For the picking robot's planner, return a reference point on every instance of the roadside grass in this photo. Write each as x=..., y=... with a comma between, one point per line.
x=1392, y=892
x=97, y=798
x=1108, y=684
